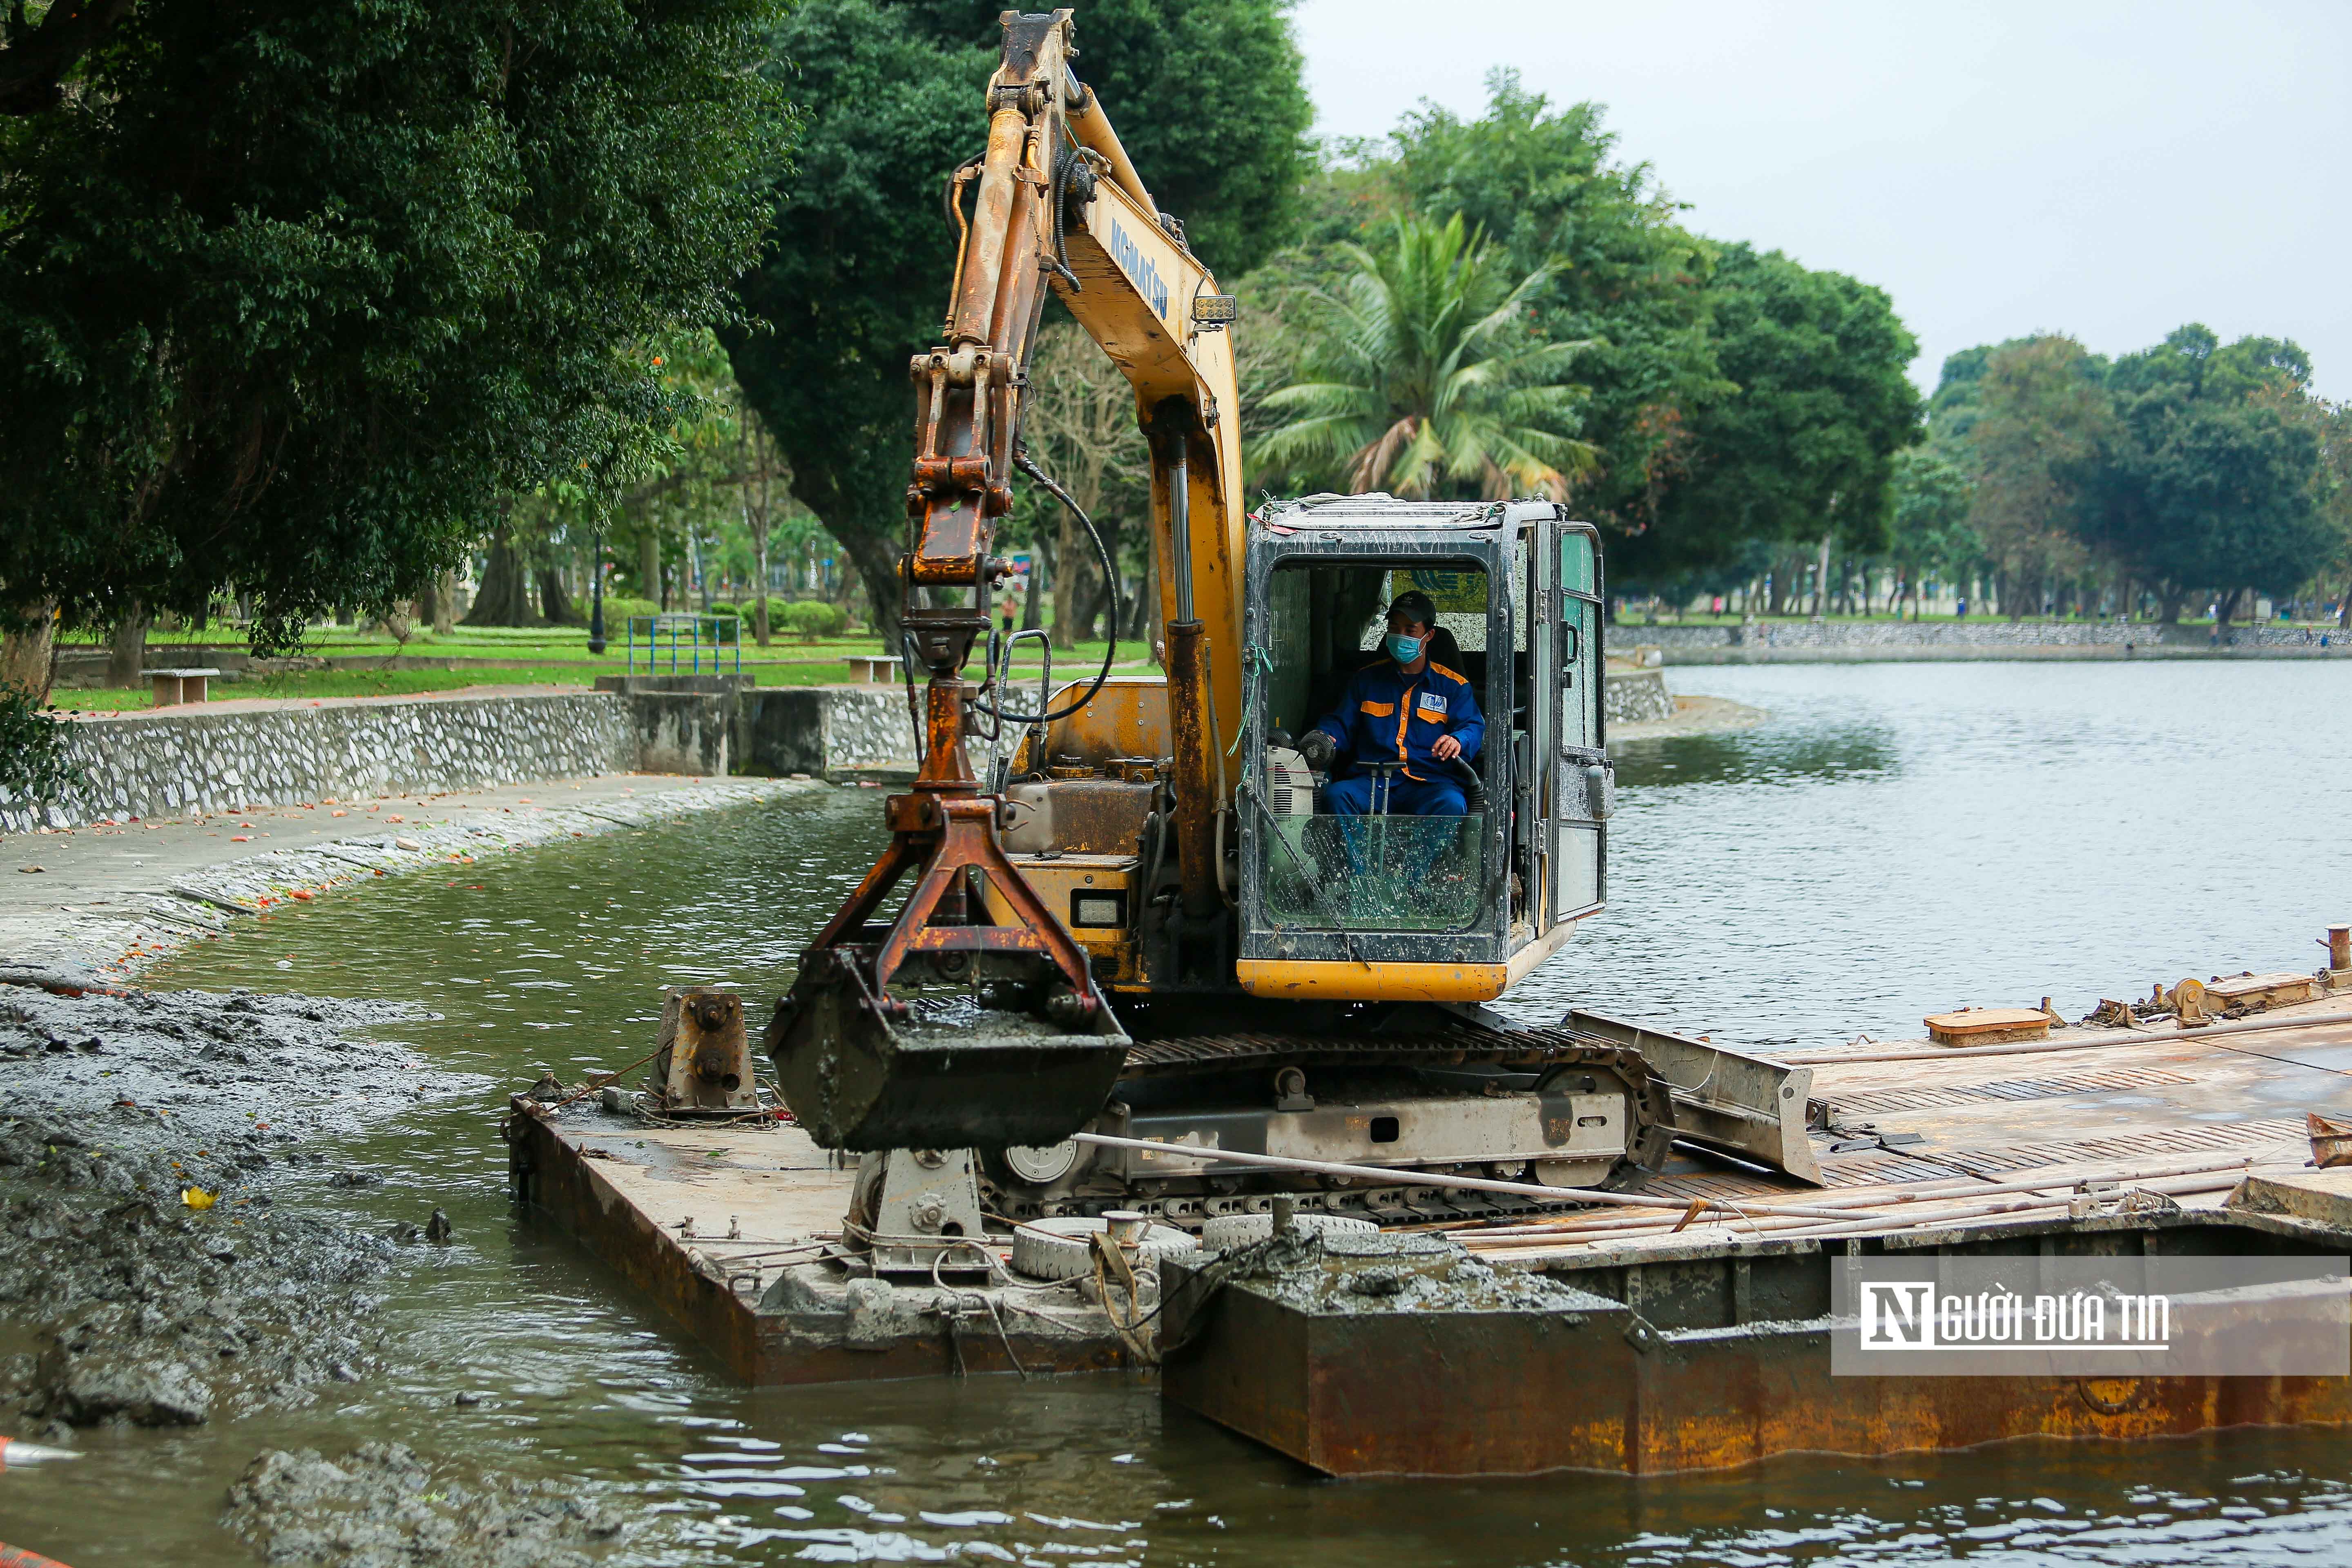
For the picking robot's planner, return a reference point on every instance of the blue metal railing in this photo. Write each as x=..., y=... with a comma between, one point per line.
x=696, y=633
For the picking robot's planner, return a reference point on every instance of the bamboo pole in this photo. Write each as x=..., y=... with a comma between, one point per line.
x=1388, y=1177
x=2044, y=1048
x=1797, y=1228
x=2205, y=1181
x=1902, y=1193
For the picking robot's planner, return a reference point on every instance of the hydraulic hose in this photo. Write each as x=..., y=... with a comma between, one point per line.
x=1003, y=715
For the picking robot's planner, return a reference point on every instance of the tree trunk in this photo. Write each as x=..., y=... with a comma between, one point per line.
x=2344, y=606
x=126, y=646
x=27, y=658
x=877, y=561
x=649, y=566
x=555, y=601
x=505, y=598
x=1149, y=621
x=1034, y=602
x=1070, y=575
x=1822, y=579
x=1091, y=596
x=2167, y=604
x=444, y=605
x=760, y=630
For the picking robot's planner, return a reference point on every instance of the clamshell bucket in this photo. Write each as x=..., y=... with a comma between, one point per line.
x=960, y=1076
x=863, y=1069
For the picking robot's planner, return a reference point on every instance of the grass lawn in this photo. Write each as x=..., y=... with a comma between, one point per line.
x=551, y=644
x=819, y=664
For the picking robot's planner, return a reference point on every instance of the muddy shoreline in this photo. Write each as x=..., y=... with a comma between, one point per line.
x=158, y=1267
x=1692, y=716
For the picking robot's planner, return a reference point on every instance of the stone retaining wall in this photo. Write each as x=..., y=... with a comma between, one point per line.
x=1632, y=697
x=1826, y=641
x=723, y=723
x=169, y=763
x=824, y=730
x=198, y=759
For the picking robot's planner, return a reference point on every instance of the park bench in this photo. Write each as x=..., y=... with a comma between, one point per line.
x=874, y=668
x=173, y=687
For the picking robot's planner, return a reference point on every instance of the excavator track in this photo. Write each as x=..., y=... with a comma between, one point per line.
x=1478, y=1061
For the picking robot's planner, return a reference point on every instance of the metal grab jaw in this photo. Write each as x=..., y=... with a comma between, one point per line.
x=1029, y=1060
x=1035, y=1057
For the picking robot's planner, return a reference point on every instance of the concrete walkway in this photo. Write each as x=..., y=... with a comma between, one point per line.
x=92, y=906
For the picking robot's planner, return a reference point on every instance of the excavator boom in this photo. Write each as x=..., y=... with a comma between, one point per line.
x=1053, y=203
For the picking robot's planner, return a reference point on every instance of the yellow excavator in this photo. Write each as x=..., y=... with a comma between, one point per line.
x=1140, y=921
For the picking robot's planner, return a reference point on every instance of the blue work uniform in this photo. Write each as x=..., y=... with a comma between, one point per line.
x=1390, y=716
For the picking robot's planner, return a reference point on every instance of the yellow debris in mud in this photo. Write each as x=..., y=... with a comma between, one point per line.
x=196, y=1198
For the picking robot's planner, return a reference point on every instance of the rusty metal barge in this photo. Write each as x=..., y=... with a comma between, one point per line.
x=1685, y=1327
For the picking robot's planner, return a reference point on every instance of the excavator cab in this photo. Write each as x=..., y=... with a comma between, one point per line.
x=1377, y=904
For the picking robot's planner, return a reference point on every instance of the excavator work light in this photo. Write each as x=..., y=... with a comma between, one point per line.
x=1214, y=310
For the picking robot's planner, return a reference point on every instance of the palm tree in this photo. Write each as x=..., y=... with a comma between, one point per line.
x=1421, y=378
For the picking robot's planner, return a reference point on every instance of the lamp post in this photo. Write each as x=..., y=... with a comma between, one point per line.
x=596, y=596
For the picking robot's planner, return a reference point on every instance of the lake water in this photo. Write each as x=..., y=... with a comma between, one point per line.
x=1898, y=839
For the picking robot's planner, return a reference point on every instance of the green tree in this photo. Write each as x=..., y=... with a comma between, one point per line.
x=2193, y=365
x=1423, y=378
x=1080, y=423
x=2205, y=478
x=2331, y=426
x=1207, y=98
x=1801, y=446
x=294, y=292
x=2042, y=417
x=690, y=483
x=1929, y=531
x=1546, y=187
x=1953, y=407
x=2229, y=495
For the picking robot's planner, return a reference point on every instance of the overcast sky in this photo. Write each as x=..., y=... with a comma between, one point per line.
x=2104, y=170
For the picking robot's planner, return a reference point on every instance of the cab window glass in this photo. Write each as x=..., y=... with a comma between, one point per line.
x=1580, y=715
x=1398, y=845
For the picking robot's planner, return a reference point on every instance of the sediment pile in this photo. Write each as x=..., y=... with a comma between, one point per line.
x=140, y=1242
x=152, y=1251
x=382, y=1506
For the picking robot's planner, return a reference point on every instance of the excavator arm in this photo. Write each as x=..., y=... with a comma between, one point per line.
x=1055, y=204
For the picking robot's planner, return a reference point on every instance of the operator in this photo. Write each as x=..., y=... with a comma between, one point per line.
x=1399, y=708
